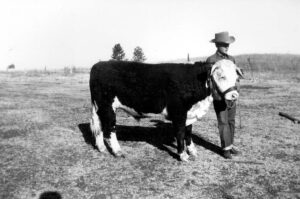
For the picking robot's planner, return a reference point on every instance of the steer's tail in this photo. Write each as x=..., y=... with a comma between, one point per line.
x=95, y=122
x=95, y=126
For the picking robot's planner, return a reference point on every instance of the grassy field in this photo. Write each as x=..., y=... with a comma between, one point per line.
x=47, y=149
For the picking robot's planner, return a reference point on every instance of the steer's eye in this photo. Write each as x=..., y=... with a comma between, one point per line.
x=220, y=74
x=221, y=77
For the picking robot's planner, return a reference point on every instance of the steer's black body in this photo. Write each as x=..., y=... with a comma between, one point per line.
x=149, y=88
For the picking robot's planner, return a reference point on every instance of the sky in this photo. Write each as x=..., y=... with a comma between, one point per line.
x=35, y=34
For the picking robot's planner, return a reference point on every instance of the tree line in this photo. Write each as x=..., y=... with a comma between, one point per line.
x=118, y=54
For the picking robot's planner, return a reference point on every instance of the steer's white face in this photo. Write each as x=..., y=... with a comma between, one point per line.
x=225, y=75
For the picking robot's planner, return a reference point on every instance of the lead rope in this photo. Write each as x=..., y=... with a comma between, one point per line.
x=239, y=110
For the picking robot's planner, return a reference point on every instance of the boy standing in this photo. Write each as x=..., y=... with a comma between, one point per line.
x=225, y=115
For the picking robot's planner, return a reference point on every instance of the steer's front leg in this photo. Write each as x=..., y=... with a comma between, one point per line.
x=180, y=135
x=191, y=149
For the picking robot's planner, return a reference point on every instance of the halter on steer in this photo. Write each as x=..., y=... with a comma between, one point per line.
x=218, y=95
x=216, y=91
x=233, y=88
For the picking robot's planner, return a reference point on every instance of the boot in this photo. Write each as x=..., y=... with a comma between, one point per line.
x=234, y=151
x=227, y=154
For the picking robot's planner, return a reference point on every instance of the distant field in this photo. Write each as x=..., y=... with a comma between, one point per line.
x=262, y=62
x=47, y=149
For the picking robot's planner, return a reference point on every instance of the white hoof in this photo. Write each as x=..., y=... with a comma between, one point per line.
x=191, y=149
x=101, y=149
x=184, y=157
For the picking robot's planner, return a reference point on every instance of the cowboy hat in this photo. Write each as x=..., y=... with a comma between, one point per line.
x=223, y=37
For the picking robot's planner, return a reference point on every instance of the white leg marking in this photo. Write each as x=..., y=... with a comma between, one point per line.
x=114, y=144
x=192, y=149
x=184, y=156
x=96, y=129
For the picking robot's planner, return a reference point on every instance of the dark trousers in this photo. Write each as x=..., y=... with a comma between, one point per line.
x=226, y=122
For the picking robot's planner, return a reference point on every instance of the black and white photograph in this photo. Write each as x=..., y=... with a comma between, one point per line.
x=150, y=99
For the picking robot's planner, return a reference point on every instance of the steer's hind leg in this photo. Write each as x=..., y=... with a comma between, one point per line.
x=108, y=120
x=191, y=149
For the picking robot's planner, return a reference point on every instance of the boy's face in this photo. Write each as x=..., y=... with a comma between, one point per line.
x=222, y=47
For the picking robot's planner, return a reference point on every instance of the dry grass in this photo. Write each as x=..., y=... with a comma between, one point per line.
x=47, y=150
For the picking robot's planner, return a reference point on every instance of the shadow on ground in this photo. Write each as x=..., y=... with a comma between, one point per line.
x=50, y=195
x=161, y=136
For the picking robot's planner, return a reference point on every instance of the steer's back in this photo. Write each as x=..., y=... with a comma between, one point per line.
x=137, y=85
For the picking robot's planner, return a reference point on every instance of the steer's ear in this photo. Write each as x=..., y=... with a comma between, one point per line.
x=240, y=73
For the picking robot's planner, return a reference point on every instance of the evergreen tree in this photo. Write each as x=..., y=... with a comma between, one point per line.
x=138, y=55
x=118, y=53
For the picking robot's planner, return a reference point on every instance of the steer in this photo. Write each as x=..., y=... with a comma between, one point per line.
x=181, y=92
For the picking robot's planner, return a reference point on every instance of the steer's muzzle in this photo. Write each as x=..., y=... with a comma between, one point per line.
x=231, y=94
